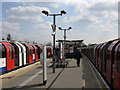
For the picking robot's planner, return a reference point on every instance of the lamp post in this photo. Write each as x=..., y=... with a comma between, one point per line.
x=64, y=41
x=64, y=31
x=54, y=29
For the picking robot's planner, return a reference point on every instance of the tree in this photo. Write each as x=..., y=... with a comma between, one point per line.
x=9, y=37
x=3, y=38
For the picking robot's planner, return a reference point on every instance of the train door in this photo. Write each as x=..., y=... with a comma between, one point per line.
x=110, y=62
x=10, y=58
x=117, y=67
x=38, y=51
x=18, y=56
x=2, y=58
x=30, y=54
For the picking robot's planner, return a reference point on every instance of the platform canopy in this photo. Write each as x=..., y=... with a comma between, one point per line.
x=71, y=42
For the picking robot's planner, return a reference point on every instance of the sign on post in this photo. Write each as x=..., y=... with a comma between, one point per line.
x=53, y=27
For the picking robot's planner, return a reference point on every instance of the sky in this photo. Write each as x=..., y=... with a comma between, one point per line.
x=93, y=22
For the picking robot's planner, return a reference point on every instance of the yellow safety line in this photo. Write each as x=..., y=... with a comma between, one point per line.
x=95, y=77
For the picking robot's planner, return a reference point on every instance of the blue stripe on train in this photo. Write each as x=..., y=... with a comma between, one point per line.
x=2, y=69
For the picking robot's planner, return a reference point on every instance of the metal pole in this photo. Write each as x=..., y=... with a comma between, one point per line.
x=44, y=66
x=54, y=45
x=64, y=34
x=64, y=47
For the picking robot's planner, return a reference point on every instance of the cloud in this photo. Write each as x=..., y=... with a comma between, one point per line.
x=76, y=34
x=26, y=13
x=93, y=11
x=85, y=17
x=102, y=6
x=10, y=27
x=97, y=13
x=105, y=28
x=43, y=26
x=41, y=33
x=94, y=17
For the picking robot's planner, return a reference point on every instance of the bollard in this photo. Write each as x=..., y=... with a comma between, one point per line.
x=44, y=66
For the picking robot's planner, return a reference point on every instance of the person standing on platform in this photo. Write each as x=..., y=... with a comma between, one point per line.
x=77, y=56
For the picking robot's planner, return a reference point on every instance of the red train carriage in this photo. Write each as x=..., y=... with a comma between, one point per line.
x=10, y=56
x=110, y=61
x=117, y=67
x=107, y=57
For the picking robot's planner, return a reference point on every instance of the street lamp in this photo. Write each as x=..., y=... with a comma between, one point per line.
x=54, y=29
x=64, y=41
x=64, y=31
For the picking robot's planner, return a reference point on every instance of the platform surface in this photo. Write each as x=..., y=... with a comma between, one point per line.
x=72, y=76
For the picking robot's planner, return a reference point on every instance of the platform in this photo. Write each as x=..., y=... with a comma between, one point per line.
x=72, y=76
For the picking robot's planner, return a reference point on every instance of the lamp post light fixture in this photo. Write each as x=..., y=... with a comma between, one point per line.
x=64, y=31
x=64, y=41
x=54, y=29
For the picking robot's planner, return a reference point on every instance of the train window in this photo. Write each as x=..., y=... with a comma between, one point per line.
x=11, y=51
x=118, y=60
x=2, y=51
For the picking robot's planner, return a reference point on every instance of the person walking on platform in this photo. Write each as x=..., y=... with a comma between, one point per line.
x=77, y=56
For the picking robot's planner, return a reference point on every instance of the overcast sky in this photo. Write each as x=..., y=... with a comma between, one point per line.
x=93, y=22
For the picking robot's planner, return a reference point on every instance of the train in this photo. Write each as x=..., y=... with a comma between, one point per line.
x=106, y=58
x=14, y=55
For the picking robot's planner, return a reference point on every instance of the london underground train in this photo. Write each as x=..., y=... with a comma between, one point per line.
x=14, y=55
x=7, y=56
x=106, y=58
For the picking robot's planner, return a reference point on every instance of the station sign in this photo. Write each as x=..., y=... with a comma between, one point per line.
x=53, y=27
